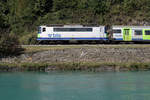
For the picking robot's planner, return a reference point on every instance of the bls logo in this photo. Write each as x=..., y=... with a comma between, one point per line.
x=54, y=35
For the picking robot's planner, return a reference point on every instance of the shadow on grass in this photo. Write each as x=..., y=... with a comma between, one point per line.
x=11, y=53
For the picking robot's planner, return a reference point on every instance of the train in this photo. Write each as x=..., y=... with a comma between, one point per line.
x=89, y=34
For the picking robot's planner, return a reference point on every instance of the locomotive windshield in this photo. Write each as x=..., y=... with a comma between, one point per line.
x=39, y=30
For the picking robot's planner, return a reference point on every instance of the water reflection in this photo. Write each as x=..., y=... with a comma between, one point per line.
x=75, y=86
x=19, y=86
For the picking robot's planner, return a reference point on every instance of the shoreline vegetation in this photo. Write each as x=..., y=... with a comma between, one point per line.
x=74, y=66
x=95, y=58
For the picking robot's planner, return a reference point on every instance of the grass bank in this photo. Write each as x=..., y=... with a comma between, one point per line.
x=75, y=66
x=80, y=57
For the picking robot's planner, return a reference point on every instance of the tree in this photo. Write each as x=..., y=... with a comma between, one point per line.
x=3, y=15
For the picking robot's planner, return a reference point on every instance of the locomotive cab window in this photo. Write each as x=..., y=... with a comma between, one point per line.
x=39, y=29
x=147, y=32
x=138, y=32
x=117, y=31
x=44, y=30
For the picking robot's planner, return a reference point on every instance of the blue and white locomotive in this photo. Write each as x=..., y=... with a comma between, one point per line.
x=71, y=32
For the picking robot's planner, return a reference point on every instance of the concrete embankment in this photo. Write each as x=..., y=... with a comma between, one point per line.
x=97, y=58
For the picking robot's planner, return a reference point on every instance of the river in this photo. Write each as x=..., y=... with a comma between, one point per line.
x=75, y=86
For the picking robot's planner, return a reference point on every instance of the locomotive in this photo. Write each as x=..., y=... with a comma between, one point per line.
x=98, y=34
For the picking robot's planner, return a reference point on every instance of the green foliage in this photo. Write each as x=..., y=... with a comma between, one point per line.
x=75, y=66
x=9, y=45
x=23, y=16
x=3, y=15
x=28, y=39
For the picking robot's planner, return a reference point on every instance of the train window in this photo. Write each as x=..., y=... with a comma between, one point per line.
x=147, y=32
x=138, y=32
x=39, y=29
x=116, y=31
x=127, y=32
x=73, y=29
x=44, y=29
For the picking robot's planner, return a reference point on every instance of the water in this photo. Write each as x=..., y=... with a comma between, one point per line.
x=75, y=86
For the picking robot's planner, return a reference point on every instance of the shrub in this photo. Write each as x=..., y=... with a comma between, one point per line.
x=29, y=39
x=9, y=45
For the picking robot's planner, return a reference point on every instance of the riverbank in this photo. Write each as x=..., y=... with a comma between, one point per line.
x=80, y=57
x=74, y=66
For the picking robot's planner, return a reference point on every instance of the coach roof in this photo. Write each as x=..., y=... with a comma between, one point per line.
x=121, y=26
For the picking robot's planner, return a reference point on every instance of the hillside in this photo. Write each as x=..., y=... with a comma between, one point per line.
x=21, y=17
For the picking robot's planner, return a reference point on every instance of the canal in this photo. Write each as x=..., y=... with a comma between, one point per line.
x=75, y=86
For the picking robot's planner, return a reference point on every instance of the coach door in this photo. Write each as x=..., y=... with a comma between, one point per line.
x=127, y=34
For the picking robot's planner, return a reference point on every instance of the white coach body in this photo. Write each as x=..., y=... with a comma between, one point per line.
x=71, y=32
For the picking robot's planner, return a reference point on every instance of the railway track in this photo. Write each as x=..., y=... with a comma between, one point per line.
x=65, y=45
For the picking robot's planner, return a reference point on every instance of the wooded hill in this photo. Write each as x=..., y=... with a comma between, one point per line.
x=21, y=17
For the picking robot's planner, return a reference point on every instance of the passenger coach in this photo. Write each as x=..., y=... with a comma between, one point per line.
x=131, y=33
x=72, y=32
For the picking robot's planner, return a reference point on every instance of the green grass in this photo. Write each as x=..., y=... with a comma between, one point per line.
x=77, y=66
